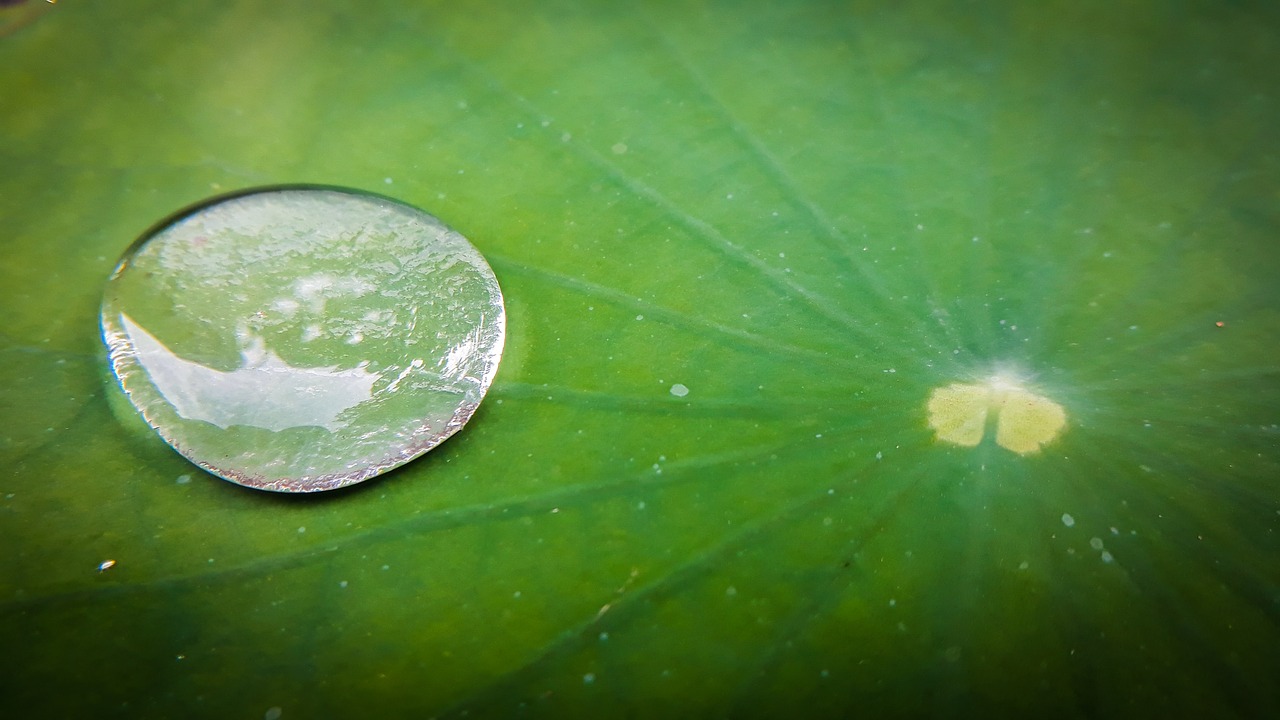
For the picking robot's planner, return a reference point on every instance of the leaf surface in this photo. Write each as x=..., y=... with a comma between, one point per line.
x=810, y=216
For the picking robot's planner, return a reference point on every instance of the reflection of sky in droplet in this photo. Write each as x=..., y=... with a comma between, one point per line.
x=264, y=392
x=304, y=339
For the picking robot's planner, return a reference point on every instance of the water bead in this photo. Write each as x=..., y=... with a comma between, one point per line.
x=302, y=339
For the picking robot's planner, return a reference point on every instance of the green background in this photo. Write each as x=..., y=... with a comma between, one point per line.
x=810, y=214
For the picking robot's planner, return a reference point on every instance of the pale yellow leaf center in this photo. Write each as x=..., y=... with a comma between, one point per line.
x=1024, y=421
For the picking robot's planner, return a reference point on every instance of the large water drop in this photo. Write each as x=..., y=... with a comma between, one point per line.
x=303, y=339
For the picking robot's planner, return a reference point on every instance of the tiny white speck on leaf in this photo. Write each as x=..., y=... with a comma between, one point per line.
x=1068, y=520
x=619, y=148
x=184, y=479
x=588, y=678
x=679, y=390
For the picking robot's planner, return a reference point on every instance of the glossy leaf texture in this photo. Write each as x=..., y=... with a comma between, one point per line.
x=807, y=215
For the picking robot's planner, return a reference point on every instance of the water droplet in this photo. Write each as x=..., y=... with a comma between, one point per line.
x=679, y=390
x=303, y=339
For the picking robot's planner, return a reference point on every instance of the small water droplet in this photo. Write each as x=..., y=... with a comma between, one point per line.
x=679, y=390
x=302, y=339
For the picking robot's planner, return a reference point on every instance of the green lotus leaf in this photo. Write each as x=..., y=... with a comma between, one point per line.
x=740, y=245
